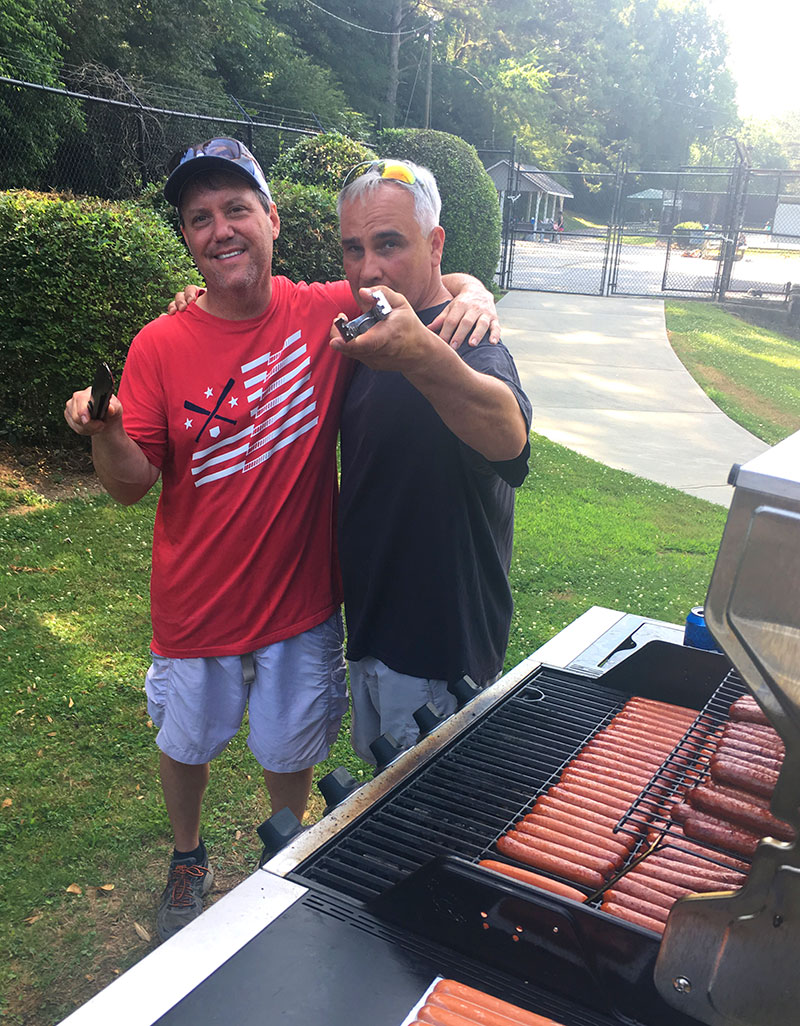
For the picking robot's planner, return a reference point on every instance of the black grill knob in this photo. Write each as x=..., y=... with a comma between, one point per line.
x=463, y=690
x=336, y=786
x=427, y=718
x=385, y=748
x=277, y=831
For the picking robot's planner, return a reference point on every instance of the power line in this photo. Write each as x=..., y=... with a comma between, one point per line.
x=352, y=24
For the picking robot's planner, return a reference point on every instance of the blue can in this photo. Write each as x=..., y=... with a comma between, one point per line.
x=696, y=634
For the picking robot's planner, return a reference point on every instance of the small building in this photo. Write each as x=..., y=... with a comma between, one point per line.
x=534, y=196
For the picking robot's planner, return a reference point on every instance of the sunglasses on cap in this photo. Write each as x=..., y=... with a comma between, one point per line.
x=219, y=150
x=395, y=170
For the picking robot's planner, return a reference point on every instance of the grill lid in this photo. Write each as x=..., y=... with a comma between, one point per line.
x=742, y=949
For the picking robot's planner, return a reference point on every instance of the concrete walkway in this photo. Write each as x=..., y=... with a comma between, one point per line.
x=605, y=382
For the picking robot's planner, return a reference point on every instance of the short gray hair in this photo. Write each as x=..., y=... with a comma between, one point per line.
x=427, y=201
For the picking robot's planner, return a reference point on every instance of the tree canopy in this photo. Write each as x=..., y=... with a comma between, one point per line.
x=580, y=84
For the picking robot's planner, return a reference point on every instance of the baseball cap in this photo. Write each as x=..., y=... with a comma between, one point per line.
x=213, y=155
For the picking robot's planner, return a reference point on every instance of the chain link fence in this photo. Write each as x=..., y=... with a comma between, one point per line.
x=100, y=136
x=722, y=232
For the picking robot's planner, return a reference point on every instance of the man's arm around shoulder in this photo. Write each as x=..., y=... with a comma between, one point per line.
x=124, y=470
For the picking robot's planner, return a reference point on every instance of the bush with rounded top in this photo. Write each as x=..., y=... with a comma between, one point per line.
x=308, y=247
x=320, y=160
x=470, y=205
x=80, y=277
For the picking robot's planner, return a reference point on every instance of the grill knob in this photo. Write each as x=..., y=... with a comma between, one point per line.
x=277, y=831
x=427, y=718
x=385, y=748
x=463, y=690
x=336, y=786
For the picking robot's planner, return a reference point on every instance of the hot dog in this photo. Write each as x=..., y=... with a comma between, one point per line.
x=764, y=737
x=549, y=863
x=742, y=796
x=535, y=879
x=632, y=917
x=751, y=755
x=518, y=1015
x=740, y=813
x=647, y=908
x=738, y=774
x=550, y=801
x=596, y=860
x=583, y=801
x=570, y=842
x=687, y=876
x=441, y=1017
x=619, y=844
x=748, y=710
x=647, y=890
x=703, y=827
x=479, y=1015
x=670, y=708
x=613, y=803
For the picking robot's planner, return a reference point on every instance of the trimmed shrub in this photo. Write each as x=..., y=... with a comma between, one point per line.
x=320, y=160
x=80, y=276
x=470, y=205
x=308, y=247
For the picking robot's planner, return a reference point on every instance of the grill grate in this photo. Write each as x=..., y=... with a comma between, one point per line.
x=461, y=801
x=651, y=811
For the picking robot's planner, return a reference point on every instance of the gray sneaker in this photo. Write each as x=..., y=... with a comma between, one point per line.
x=182, y=900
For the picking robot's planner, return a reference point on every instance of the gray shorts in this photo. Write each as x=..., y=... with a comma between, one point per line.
x=384, y=701
x=295, y=702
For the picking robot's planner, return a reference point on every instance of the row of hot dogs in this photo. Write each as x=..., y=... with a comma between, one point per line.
x=454, y=1004
x=731, y=809
x=570, y=832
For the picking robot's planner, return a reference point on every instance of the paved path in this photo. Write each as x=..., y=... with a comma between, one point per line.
x=605, y=382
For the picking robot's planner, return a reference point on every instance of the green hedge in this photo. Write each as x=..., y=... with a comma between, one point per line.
x=321, y=160
x=470, y=205
x=308, y=247
x=80, y=277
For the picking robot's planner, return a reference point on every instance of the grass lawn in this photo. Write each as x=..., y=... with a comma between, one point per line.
x=83, y=828
x=751, y=373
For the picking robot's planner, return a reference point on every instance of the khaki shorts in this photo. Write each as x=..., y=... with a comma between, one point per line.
x=295, y=702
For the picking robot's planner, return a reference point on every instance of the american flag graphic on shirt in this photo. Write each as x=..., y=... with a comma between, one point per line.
x=282, y=407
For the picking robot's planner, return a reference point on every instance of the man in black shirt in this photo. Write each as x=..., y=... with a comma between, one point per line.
x=433, y=443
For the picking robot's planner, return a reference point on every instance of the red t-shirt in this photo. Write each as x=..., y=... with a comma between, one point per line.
x=241, y=417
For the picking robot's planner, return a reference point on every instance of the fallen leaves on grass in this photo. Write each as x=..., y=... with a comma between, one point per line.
x=140, y=930
x=74, y=889
x=7, y=803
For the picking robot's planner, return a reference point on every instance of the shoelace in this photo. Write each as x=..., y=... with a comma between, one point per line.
x=182, y=884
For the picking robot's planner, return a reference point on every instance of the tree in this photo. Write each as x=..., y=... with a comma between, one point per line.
x=30, y=49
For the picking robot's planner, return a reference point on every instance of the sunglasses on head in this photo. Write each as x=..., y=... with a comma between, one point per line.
x=231, y=149
x=395, y=170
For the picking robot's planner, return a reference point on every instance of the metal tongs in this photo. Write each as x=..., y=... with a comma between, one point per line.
x=733, y=958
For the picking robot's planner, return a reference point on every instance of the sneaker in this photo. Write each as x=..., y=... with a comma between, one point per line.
x=182, y=900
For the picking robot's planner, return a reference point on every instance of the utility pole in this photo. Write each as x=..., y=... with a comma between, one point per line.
x=429, y=79
x=394, y=62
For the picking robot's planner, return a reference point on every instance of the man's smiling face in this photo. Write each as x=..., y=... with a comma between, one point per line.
x=229, y=234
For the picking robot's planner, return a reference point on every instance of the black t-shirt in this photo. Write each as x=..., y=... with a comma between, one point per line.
x=425, y=528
